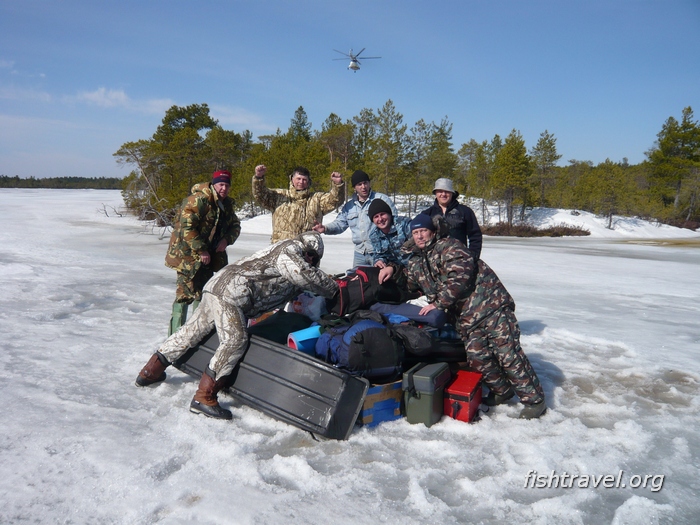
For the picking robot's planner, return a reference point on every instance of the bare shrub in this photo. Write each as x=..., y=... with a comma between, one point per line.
x=525, y=230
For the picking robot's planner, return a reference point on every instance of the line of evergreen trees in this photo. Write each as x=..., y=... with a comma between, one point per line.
x=70, y=183
x=189, y=145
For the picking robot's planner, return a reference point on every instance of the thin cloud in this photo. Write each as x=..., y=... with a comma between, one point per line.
x=6, y=63
x=241, y=119
x=19, y=94
x=117, y=98
x=106, y=98
x=156, y=106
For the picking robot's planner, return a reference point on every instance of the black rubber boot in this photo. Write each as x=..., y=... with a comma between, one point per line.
x=494, y=399
x=533, y=411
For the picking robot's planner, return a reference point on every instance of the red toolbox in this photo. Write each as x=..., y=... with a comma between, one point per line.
x=463, y=396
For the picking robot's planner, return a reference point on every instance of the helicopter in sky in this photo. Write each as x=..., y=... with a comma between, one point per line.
x=354, y=59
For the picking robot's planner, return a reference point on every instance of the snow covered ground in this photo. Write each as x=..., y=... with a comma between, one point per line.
x=610, y=323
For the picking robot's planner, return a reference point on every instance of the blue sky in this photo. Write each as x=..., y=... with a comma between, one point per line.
x=80, y=78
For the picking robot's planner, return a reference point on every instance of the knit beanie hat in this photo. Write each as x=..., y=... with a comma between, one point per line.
x=221, y=176
x=422, y=220
x=378, y=206
x=359, y=176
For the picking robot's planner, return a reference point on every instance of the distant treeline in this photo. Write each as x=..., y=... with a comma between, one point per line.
x=68, y=183
x=189, y=145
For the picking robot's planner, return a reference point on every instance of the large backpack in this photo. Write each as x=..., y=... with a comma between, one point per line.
x=360, y=289
x=364, y=345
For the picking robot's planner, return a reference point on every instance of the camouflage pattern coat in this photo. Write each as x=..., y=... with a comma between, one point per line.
x=294, y=211
x=443, y=271
x=203, y=220
x=246, y=288
x=483, y=310
x=272, y=276
x=387, y=247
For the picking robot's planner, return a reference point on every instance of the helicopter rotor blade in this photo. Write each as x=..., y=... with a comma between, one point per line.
x=360, y=52
x=345, y=54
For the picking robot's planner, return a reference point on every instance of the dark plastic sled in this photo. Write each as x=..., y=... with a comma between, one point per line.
x=288, y=385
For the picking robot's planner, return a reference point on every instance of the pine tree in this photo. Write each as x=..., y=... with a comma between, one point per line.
x=300, y=127
x=338, y=138
x=544, y=159
x=391, y=143
x=512, y=169
x=675, y=164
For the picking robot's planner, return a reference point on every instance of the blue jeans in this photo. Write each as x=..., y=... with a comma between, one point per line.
x=361, y=259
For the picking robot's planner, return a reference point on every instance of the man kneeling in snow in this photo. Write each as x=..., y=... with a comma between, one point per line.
x=470, y=292
x=247, y=288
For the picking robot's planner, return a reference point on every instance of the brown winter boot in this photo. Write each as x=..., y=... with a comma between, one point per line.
x=205, y=402
x=154, y=371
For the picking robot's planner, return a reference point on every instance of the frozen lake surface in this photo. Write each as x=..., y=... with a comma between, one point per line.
x=610, y=323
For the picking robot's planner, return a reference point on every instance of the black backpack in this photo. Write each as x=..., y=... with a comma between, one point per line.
x=363, y=344
x=360, y=289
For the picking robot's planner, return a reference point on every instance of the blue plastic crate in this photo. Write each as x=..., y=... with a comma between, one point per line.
x=382, y=403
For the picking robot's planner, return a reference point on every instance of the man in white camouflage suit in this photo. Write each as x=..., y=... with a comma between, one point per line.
x=244, y=289
x=297, y=209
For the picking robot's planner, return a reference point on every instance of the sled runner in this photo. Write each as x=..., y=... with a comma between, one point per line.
x=288, y=385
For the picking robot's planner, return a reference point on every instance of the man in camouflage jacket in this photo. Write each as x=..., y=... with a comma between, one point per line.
x=205, y=225
x=253, y=285
x=297, y=209
x=472, y=294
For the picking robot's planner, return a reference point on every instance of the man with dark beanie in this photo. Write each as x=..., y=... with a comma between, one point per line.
x=477, y=302
x=387, y=235
x=353, y=215
x=205, y=225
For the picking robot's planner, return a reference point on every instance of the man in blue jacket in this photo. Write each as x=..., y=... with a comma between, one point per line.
x=460, y=218
x=353, y=215
x=388, y=236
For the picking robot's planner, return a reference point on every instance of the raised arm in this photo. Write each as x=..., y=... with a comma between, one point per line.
x=331, y=200
x=267, y=198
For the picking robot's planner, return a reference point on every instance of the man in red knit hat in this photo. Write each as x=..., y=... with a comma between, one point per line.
x=205, y=225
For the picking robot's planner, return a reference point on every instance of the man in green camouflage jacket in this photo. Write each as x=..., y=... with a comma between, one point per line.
x=296, y=210
x=471, y=293
x=205, y=225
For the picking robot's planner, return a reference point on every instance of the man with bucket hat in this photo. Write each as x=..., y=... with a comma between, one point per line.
x=460, y=218
x=353, y=215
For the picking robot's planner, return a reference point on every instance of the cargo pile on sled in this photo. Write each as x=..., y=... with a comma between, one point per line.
x=358, y=369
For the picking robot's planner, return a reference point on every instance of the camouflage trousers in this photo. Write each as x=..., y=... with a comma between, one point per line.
x=493, y=348
x=230, y=323
x=189, y=289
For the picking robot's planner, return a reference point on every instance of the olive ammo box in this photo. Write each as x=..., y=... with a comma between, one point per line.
x=423, y=386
